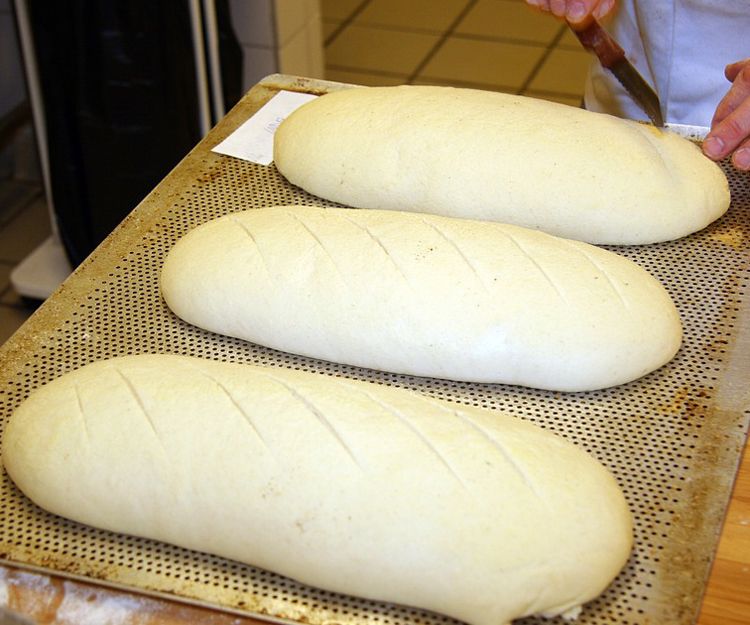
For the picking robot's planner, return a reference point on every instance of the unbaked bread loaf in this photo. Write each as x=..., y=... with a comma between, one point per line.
x=349, y=486
x=493, y=156
x=424, y=295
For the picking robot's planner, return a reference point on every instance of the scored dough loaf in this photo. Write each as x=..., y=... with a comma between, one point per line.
x=499, y=157
x=345, y=485
x=424, y=295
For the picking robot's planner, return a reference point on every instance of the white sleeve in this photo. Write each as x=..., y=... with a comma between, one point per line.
x=679, y=46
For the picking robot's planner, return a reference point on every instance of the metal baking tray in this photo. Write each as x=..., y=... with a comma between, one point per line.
x=672, y=439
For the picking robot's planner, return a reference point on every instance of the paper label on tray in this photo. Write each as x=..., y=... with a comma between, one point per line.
x=253, y=140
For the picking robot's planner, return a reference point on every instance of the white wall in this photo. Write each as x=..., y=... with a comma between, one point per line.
x=278, y=36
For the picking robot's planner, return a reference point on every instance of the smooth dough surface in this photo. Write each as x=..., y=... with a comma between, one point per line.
x=349, y=486
x=424, y=295
x=493, y=156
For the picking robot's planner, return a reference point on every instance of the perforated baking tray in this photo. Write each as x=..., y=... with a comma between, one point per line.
x=672, y=439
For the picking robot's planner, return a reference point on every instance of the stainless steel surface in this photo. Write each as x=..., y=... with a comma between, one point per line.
x=672, y=439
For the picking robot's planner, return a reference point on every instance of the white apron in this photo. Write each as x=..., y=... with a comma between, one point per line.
x=681, y=48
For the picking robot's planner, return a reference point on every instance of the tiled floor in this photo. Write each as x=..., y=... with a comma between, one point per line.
x=487, y=44
x=500, y=45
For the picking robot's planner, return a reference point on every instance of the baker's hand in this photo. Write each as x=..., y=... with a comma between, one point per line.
x=574, y=11
x=730, y=127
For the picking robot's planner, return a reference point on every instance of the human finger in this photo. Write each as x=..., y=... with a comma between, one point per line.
x=741, y=156
x=580, y=10
x=729, y=133
x=604, y=8
x=731, y=70
x=558, y=7
x=574, y=11
x=737, y=94
x=541, y=5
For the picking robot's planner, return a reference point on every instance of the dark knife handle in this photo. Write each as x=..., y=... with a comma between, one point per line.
x=593, y=37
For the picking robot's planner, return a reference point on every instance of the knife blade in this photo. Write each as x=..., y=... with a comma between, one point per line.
x=612, y=57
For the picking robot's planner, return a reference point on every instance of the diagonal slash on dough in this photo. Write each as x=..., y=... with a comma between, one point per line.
x=248, y=232
x=313, y=409
x=605, y=273
x=380, y=244
x=317, y=240
x=407, y=422
x=139, y=401
x=82, y=413
x=501, y=449
x=458, y=250
x=507, y=456
x=653, y=143
x=233, y=401
x=551, y=282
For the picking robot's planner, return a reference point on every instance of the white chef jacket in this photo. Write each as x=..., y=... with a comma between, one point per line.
x=681, y=48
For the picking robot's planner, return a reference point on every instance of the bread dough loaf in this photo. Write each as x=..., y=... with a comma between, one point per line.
x=349, y=486
x=424, y=295
x=494, y=156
